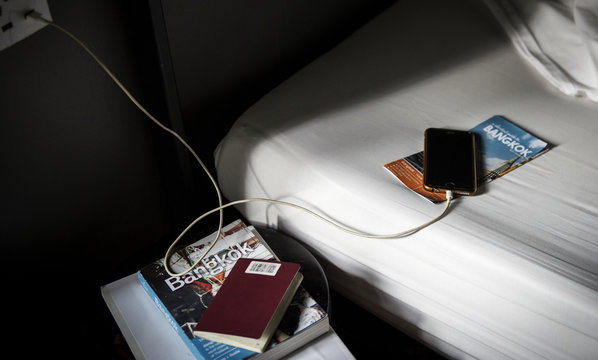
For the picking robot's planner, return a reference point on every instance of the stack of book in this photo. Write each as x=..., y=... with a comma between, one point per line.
x=234, y=319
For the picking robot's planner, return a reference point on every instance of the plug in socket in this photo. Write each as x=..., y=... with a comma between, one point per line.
x=14, y=27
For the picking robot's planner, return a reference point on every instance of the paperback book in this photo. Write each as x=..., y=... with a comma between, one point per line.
x=502, y=147
x=183, y=300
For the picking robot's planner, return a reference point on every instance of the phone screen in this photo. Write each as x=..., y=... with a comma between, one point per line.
x=449, y=161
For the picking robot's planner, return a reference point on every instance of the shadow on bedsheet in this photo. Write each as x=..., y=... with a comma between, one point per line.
x=361, y=328
x=368, y=337
x=371, y=323
x=411, y=43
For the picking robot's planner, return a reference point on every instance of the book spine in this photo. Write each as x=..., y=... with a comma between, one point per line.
x=156, y=300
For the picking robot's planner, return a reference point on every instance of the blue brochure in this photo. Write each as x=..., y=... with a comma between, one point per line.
x=503, y=147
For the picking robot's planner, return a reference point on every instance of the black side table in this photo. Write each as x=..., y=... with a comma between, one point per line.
x=289, y=249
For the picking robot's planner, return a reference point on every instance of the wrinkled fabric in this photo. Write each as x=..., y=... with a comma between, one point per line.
x=559, y=38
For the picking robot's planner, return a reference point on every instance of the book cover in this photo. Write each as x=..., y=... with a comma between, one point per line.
x=502, y=147
x=183, y=300
x=250, y=304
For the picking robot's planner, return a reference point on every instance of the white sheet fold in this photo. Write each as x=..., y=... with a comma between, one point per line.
x=559, y=38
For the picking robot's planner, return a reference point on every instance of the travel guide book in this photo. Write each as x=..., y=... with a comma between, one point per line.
x=502, y=147
x=183, y=300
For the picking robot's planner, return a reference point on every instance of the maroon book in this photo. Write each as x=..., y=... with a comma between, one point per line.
x=250, y=304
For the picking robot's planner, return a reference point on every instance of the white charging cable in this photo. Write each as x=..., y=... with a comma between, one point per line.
x=449, y=195
x=449, y=198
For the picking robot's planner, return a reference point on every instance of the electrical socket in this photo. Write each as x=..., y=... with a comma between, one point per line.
x=13, y=25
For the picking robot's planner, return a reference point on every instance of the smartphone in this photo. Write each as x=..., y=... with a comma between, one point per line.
x=450, y=161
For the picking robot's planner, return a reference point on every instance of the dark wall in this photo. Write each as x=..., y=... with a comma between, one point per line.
x=227, y=54
x=81, y=183
x=91, y=190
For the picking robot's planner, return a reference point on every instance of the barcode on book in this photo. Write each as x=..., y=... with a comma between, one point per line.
x=262, y=268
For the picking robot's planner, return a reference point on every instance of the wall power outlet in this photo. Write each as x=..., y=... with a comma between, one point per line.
x=13, y=25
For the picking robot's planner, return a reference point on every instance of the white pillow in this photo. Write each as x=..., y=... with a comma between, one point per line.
x=558, y=37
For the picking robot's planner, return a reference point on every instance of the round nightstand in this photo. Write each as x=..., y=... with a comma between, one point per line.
x=289, y=249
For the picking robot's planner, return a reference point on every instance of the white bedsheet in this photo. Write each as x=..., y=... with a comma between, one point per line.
x=509, y=273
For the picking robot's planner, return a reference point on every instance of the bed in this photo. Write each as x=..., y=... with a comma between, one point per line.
x=510, y=273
